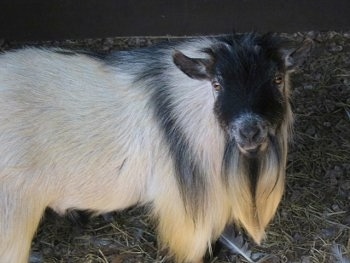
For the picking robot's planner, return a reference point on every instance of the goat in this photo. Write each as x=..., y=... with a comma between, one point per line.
x=197, y=129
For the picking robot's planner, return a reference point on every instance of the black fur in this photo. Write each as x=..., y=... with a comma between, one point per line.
x=189, y=173
x=245, y=69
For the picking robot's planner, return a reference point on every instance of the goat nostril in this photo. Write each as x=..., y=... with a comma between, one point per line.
x=256, y=135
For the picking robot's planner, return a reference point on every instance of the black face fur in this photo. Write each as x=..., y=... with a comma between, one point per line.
x=246, y=72
x=249, y=75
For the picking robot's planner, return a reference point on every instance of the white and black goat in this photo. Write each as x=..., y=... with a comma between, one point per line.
x=197, y=129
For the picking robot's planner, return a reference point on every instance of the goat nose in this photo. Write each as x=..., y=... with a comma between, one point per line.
x=250, y=133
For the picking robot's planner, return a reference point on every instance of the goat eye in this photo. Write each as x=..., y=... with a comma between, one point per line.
x=217, y=87
x=278, y=79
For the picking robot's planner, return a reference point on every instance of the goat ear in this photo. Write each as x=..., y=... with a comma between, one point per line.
x=196, y=68
x=297, y=57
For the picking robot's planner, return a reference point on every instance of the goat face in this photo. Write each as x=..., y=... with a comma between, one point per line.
x=252, y=101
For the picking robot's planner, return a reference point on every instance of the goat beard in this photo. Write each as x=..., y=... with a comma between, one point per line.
x=255, y=185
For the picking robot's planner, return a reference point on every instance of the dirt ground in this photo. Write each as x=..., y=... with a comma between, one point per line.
x=313, y=220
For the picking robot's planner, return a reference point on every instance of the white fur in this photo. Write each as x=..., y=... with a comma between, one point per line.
x=76, y=134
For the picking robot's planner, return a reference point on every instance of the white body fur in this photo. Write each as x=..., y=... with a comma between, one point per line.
x=75, y=134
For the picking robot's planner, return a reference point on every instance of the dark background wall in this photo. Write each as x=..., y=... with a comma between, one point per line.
x=62, y=19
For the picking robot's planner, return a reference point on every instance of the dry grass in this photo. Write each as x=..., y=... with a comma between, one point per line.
x=315, y=213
